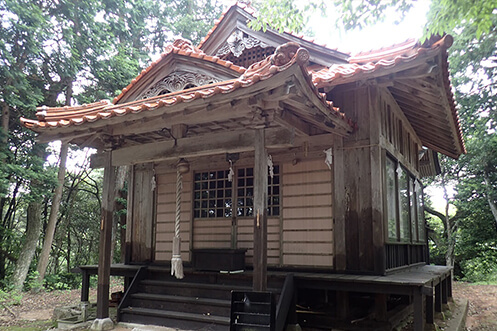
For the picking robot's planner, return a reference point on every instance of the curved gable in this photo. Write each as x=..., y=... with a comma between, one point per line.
x=180, y=67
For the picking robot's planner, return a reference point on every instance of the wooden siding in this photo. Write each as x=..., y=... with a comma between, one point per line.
x=397, y=135
x=301, y=236
x=166, y=210
x=307, y=231
x=143, y=214
x=359, y=191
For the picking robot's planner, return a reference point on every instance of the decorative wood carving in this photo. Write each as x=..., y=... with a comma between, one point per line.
x=177, y=81
x=238, y=42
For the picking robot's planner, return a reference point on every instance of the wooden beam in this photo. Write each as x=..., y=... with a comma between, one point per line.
x=179, y=130
x=212, y=143
x=290, y=120
x=260, y=212
x=104, y=260
x=189, y=116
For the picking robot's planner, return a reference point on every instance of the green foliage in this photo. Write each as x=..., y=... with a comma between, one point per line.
x=483, y=267
x=62, y=281
x=10, y=298
x=32, y=283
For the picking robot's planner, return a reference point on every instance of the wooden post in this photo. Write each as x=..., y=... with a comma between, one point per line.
x=342, y=306
x=85, y=285
x=260, y=213
x=104, y=261
x=419, y=316
x=445, y=291
x=430, y=308
x=380, y=303
x=438, y=297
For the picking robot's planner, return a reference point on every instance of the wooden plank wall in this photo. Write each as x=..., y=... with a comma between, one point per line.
x=143, y=214
x=166, y=209
x=212, y=233
x=246, y=239
x=307, y=231
x=360, y=193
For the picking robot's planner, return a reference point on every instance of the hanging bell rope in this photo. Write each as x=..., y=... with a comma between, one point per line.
x=231, y=173
x=176, y=263
x=328, y=159
x=270, y=165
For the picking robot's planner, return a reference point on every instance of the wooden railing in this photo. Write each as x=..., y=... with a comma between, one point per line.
x=132, y=289
x=284, y=303
x=400, y=255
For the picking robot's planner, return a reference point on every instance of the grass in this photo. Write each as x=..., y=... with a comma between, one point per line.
x=30, y=326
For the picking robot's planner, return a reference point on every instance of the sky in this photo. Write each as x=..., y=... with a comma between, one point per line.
x=380, y=35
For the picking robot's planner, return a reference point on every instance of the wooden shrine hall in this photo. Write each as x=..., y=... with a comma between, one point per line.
x=274, y=183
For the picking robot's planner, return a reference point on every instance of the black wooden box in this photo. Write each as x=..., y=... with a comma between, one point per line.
x=218, y=259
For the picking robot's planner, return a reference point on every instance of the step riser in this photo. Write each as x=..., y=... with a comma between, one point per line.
x=198, y=308
x=213, y=278
x=224, y=293
x=172, y=323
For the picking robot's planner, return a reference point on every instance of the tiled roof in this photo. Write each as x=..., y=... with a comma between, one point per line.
x=366, y=64
x=285, y=57
x=243, y=6
x=373, y=61
x=185, y=48
x=251, y=11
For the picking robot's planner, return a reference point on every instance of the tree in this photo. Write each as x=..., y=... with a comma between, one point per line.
x=444, y=15
x=46, y=48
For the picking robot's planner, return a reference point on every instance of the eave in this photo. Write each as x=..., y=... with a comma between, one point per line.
x=265, y=95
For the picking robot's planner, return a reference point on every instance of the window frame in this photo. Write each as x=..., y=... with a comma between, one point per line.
x=241, y=195
x=413, y=205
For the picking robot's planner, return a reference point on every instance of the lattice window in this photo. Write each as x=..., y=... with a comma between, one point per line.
x=214, y=194
x=250, y=56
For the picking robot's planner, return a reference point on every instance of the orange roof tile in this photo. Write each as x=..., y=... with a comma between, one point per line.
x=285, y=56
x=185, y=48
x=375, y=61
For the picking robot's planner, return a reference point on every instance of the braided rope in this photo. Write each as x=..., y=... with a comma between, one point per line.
x=179, y=187
x=176, y=263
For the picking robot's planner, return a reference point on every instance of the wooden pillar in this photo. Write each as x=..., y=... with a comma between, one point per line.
x=85, y=285
x=430, y=308
x=380, y=304
x=342, y=305
x=104, y=261
x=449, y=285
x=438, y=297
x=419, y=316
x=260, y=213
x=129, y=215
x=445, y=291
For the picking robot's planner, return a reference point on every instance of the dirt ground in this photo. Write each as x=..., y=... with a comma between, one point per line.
x=482, y=313
x=35, y=309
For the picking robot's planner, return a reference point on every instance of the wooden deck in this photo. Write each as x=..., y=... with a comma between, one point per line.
x=429, y=287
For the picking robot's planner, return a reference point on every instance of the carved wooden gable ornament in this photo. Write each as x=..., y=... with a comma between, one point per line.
x=182, y=66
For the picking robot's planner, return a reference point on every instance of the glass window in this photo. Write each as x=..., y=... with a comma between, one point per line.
x=391, y=199
x=412, y=201
x=214, y=194
x=404, y=209
x=421, y=213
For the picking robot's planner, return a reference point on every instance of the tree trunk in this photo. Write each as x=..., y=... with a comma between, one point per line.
x=489, y=197
x=5, y=122
x=33, y=228
x=52, y=219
